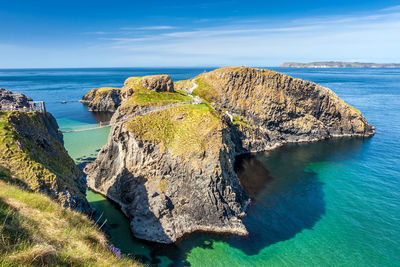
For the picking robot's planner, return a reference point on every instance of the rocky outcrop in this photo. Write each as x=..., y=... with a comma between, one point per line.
x=272, y=109
x=171, y=168
x=171, y=186
x=158, y=83
x=32, y=153
x=109, y=98
x=10, y=100
x=102, y=99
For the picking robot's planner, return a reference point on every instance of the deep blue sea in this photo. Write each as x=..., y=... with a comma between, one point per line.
x=331, y=203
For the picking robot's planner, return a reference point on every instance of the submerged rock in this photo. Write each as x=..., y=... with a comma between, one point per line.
x=33, y=155
x=170, y=166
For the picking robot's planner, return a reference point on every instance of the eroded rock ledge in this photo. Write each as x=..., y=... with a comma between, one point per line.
x=169, y=162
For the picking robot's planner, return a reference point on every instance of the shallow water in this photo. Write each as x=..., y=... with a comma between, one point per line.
x=329, y=203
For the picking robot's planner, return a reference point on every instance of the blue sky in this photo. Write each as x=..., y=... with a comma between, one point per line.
x=196, y=33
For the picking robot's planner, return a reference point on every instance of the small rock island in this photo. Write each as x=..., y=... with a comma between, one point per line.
x=172, y=146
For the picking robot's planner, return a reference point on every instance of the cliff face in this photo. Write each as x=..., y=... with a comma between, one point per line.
x=168, y=161
x=171, y=172
x=32, y=153
x=272, y=108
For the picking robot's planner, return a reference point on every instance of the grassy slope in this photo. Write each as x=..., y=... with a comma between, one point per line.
x=34, y=230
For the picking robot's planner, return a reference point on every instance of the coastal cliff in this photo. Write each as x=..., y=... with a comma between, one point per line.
x=169, y=159
x=272, y=109
x=32, y=153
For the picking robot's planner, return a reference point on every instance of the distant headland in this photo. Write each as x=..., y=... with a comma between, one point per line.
x=338, y=64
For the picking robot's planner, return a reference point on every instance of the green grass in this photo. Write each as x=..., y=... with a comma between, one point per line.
x=34, y=230
x=183, y=130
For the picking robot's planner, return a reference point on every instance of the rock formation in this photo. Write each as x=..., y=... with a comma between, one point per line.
x=32, y=153
x=102, y=99
x=169, y=162
x=272, y=108
x=9, y=100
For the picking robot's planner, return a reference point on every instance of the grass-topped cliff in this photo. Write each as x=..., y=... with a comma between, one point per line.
x=32, y=153
x=36, y=231
x=41, y=192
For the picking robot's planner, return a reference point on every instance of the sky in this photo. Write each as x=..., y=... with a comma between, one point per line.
x=58, y=33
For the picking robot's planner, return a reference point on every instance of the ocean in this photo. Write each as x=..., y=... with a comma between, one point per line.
x=330, y=203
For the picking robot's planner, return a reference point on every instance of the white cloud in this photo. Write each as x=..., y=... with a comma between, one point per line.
x=150, y=28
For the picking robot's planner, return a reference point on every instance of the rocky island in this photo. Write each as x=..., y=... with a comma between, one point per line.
x=172, y=146
x=338, y=64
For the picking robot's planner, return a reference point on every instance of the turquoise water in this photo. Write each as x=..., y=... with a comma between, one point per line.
x=328, y=203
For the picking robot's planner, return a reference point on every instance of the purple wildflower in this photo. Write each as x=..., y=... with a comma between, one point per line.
x=115, y=251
